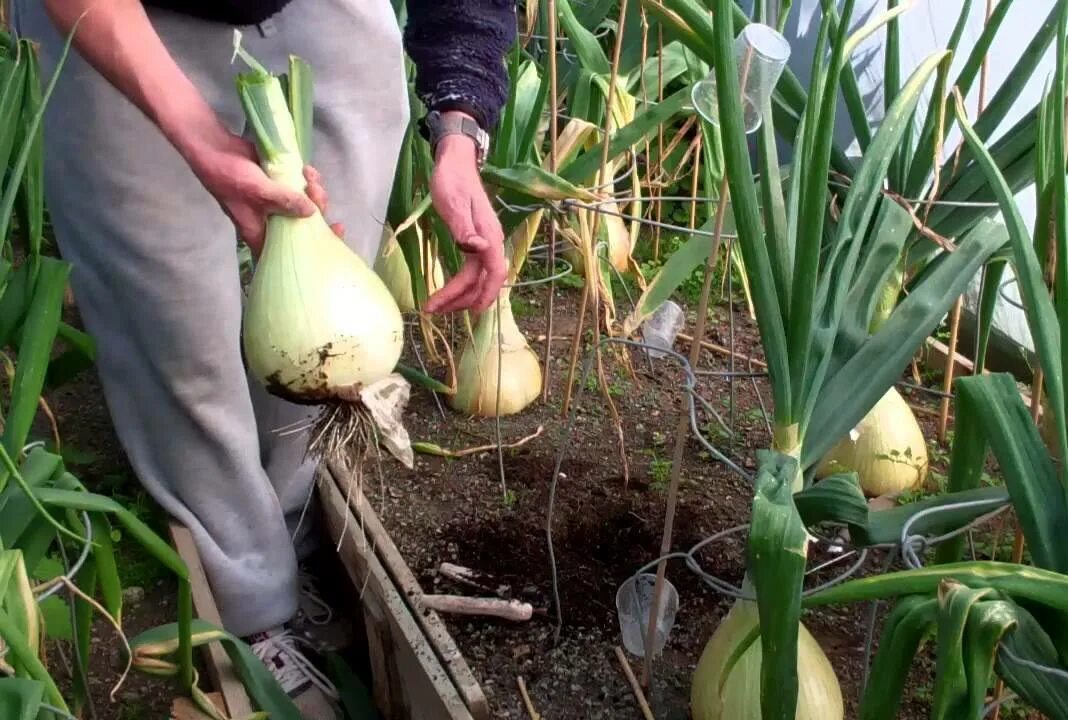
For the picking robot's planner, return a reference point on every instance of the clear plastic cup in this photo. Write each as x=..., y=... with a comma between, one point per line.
x=662, y=327
x=761, y=53
x=634, y=602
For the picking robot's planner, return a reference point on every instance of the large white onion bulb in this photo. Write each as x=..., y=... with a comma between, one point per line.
x=887, y=450
x=819, y=694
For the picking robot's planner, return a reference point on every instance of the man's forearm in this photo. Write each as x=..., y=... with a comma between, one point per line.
x=118, y=40
x=458, y=48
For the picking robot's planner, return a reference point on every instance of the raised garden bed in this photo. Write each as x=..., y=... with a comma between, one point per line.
x=459, y=510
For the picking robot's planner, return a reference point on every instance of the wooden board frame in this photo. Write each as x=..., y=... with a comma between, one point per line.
x=414, y=671
x=419, y=672
x=220, y=669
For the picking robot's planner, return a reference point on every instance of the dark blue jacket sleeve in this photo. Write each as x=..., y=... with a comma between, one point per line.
x=458, y=48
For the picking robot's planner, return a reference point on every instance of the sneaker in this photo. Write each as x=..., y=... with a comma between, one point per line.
x=316, y=621
x=311, y=691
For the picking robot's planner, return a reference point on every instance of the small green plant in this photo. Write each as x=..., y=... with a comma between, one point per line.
x=660, y=472
x=510, y=499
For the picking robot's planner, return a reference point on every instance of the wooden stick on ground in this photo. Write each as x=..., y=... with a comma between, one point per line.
x=647, y=712
x=462, y=575
x=526, y=699
x=492, y=607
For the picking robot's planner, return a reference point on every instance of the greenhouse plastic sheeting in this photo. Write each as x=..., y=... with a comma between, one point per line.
x=926, y=28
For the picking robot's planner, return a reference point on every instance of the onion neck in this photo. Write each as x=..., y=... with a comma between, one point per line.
x=786, y=439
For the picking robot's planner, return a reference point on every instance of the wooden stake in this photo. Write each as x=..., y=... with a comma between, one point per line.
x=488, y=607
x=709, y=345
x=682, y=429
x=647, y=712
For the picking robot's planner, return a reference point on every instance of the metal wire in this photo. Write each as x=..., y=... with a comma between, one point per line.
x=1051, y=671
x=910, y=543
x=77, y=567
x=1001, y=291
x=564, y=204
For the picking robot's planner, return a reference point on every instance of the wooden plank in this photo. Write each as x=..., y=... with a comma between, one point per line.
x=436, y=632
x=185, y=709
x=220, y=668
x=936, y=353
x=411, y=665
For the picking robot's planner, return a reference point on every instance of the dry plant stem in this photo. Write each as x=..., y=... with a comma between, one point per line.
x=444, y=452
x=554, y=131
x=681, y=430
x=487, y=607
x=647, y=712
x=72, y=587
x=592, y=266
x=954, y=326
x=531, y=712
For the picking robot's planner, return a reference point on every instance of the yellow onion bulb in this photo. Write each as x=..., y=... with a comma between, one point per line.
x=319, y=322
x=737, y=697
x=487, y=355
x=887, y=450
x=392, y=267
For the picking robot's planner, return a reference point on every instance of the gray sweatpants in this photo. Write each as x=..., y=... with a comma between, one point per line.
x=155, y=273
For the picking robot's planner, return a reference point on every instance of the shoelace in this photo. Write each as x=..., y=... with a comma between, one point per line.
x=310, y=591
x=296, y=667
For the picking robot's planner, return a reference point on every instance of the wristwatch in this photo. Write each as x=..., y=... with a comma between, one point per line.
x=438, y=125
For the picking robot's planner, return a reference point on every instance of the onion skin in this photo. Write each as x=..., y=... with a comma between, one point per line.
x=319, y=323
x=477, y=368
x=888, y=450
x=819, y=695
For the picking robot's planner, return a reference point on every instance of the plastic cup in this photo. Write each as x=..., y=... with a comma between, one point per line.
x=661, y=328
x=761, y=53
x=634, y=602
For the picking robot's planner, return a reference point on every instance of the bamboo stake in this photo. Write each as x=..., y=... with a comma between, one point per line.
x=724, y=351
x=681, y=430
x=554, y=128
x=659, y=137
x=647, y=712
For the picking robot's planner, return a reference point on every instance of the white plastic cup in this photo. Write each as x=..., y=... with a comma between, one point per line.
x=662, y=327
x=634, y=602
x=761, y=53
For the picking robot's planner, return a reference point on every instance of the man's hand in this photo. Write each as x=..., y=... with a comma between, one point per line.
x=460, y=199
x=118, y=40
x=227, y=166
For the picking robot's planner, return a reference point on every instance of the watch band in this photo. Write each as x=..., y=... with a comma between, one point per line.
x=439, y=125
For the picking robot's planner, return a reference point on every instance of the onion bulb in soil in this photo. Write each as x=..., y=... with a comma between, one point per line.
x=319, y=325
x=737, y=697
x=489, y=362
x=392, y=267
x=887, y=450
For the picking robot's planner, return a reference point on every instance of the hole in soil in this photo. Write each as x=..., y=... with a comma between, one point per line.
x=601, y=535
